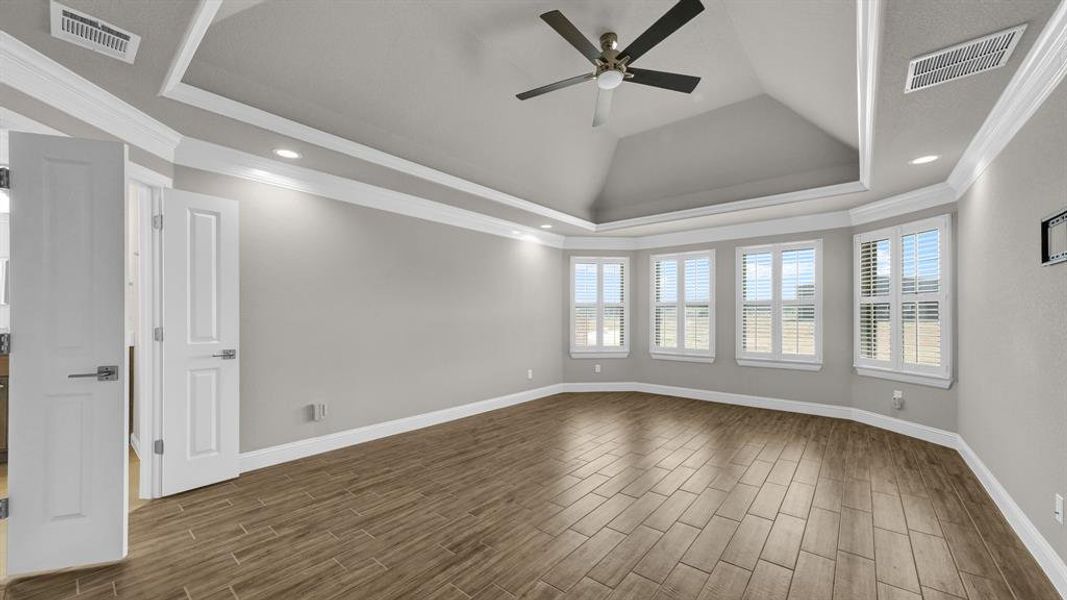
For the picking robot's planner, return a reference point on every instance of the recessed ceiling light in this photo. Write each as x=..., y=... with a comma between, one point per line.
x=286, y=153
x=922, y=160
x=546, y=226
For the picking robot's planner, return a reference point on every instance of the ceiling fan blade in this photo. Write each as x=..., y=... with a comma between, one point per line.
x=671, y=21
x=555, y=86
x=565, y=28
x=603, y=107
x=663, y=79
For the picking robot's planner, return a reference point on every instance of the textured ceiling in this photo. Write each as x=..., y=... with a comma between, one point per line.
x=795, y=58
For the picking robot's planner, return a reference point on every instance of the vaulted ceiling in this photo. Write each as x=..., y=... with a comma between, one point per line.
x=434, y=83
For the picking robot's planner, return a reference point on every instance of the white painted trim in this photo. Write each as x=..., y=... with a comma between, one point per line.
x=199, y=154
x=915, y=378
x=183, y=92
x=1043, y=68
x=202, y=19
x=1043, y=552
x=693, y=358
x=736, y=205
x=681, y=301
x=135, y=443
x=780, y=364
x=265, y=457
x=147, y=176
x=930, y=196
x=585, y=355
x=600, y=350
x=36, y=75
x=868, y=37
x=1039, y=547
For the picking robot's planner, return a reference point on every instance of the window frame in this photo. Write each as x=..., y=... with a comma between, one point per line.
x=775, y=358
x=601, y=351
x=681, y=354
x=895, y=368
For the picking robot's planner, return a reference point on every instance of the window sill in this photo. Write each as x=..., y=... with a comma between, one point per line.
x=780, y=364
x=916, y=378
x=580, y=355
x=682, y=357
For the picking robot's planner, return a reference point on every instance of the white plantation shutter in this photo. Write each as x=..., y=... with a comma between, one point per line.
x=875, y=335
x=798, y=302
x=779, y=305
x=902, y=324
x=682, y=311
x=757, y=294
x=599, y=305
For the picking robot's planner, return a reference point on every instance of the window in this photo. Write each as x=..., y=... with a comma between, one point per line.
x=599, y=307
x=682, y=306
x=902, y=321
x=779, y=305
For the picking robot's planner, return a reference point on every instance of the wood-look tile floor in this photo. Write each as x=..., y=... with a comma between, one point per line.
x=585, y=496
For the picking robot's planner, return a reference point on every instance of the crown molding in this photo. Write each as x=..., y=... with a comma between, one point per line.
x=868, y=25
x=909, y=202
x=785, y=226
x=868, y=39
x=727, y=207
x=206, y=156
x=36, y=75
x=1043, y=68
x=202, y=19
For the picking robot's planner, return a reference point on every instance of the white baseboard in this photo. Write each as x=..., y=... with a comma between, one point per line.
x=265, y=457
x=1046, y=556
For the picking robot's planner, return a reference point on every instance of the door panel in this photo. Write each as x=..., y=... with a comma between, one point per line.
x=200, y=307
x=67, y=471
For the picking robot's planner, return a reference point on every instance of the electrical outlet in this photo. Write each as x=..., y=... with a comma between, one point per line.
x=898, y=399
x=318, y=412
x=596, y=368
x=529, y=374
x=1059, y=508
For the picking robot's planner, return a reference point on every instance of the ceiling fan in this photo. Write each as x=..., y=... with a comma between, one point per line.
x=613, y=67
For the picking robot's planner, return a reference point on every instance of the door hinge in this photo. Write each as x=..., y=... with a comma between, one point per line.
x=3, y=508
x=157, y=447
x=5, y=178
x=157, y=334
x=5, y=343
x=157, y=222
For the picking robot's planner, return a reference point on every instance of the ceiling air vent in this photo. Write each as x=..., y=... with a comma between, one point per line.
x=92, y=33
x=962, y=60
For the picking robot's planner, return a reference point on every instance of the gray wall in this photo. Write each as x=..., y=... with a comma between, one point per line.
x=1013, y=319
x=835, y=383
x=382, y=316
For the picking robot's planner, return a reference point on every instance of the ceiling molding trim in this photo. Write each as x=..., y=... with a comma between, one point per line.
x=206, y=156
x=202, y=19
x=868, y=39
x=36, y=75
x=902, y=204
x=785, y=226
x=1043, y=68
x=737, y=205
x=174, y=89
x=13, y=121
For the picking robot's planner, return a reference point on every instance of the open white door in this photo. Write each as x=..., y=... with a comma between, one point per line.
x=67, y=413
x=201, y=391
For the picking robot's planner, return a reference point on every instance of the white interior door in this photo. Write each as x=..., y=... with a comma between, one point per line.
x=201, y=358
x=67, y=470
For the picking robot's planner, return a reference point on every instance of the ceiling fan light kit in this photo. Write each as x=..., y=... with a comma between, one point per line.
x=612, y=68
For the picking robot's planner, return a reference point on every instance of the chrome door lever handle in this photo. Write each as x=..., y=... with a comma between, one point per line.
x=226, y=355
x=103, y=373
